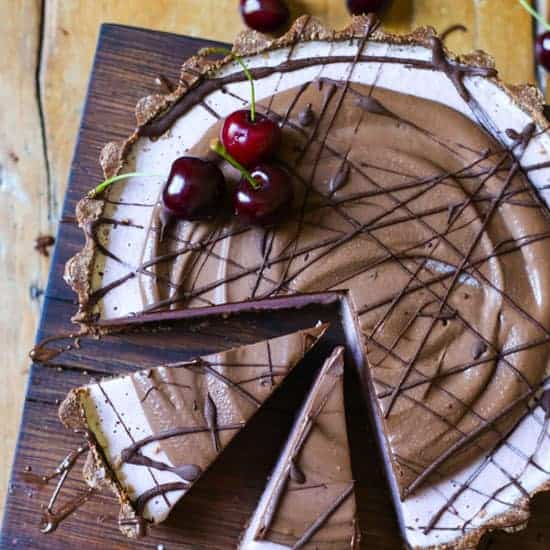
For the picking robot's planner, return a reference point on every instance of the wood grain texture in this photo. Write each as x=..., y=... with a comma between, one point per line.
x=504, y=29
x=23, y=216
x=213, y=513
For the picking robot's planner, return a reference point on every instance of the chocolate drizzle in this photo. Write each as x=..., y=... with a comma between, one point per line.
x=320, y=430
x=321, y=520
x=52, y=518
x=160, y=490
x=43, y=243
x=296, y=474
x=43, y=353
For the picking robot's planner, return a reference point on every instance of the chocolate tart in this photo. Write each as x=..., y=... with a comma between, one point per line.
x=310, y=501
x=152, y=434
x=421, y=188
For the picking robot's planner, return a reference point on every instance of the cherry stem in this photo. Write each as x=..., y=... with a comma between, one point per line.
x=217, y=146
x=93, y=193
x=238, y=59
x=535, y=14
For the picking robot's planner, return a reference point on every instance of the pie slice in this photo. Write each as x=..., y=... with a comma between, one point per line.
x=309, y=501
x=152, y=434
x=421, y=184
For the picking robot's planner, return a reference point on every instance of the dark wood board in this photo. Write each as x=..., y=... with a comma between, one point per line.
x=213, y=514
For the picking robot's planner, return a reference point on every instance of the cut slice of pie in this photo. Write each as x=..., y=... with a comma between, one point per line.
x=152, y=434
x=309, y=501
x=421, y=184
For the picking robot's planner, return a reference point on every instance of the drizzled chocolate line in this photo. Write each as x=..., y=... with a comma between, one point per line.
x=159, y=490
x=451, y=30
x=128, y=453
x=211, y=417
x=51, y=519
x=42, y=353
x=270, y=363
x=322, y=519
x=188, y=472
x=462, y=443
x=205, y=368
x=293, y=470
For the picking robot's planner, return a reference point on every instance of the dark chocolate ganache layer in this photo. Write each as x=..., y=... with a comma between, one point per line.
x=436, y=233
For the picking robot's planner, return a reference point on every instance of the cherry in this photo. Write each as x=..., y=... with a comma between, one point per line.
x=194, y=189
x=264, y=15
x=250, y=140
x=542, y=48
x=542, y=43
x=266, y=203
x=358, y=7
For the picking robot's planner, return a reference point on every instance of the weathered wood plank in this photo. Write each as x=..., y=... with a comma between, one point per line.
x=23, y=216
x=505, y=30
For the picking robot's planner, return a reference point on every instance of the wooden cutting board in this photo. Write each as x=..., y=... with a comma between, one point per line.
x=213, y=514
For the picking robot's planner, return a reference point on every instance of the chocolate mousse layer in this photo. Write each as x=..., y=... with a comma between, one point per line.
x=310, y=500
x=154, y=433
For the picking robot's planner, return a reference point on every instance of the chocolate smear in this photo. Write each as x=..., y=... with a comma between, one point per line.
x=545, y=402
x=296, y=473
x=42, y=243
x=340, y=178
x=211, y=417
x=478, y=349
x=188, y=472
x=373, y=106
x=165, y=85
x=451, y=30
x=306, y=116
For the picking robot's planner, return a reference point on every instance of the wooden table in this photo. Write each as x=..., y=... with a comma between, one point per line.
x=47, y=48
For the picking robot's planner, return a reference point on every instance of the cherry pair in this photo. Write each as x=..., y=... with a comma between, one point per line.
x=249, y=140
x=196, y=188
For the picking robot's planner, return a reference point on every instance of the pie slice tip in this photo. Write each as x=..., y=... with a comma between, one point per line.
x=153, y=433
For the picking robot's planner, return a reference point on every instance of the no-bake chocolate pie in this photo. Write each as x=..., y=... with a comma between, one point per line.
x=420, y=186
x=152, y=434
x=309, y=501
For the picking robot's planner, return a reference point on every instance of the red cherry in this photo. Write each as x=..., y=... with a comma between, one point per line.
x=264, y=15
x=542, y=47
x=248, y=142
x=358, y=7
x=267, y=204
x=194, y=189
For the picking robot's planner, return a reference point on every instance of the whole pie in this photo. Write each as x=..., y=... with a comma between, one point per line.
x=420, y=186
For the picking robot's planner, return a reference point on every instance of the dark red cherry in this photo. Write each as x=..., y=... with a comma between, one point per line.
x=358, y=7
x=194, y=190
x=267, y=204
x=542, y=47
x=264, y=15
x=250, y=143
